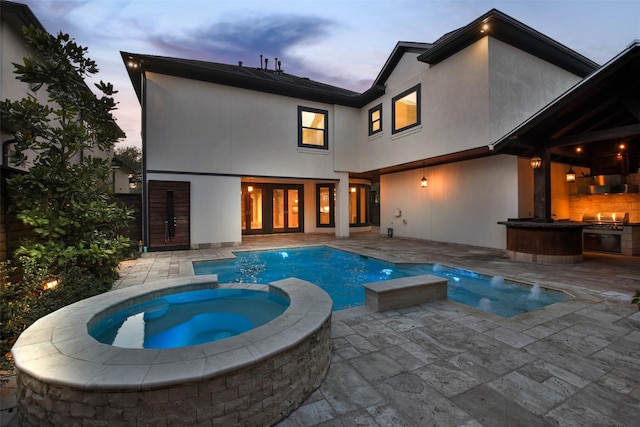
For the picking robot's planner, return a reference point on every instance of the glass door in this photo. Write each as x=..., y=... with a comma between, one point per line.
x=286, y=209
x=251, y=210
x=271, y=208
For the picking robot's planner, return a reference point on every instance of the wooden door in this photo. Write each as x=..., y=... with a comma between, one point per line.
x=169, y=207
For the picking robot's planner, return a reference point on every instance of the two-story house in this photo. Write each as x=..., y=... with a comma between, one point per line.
x=230, y=150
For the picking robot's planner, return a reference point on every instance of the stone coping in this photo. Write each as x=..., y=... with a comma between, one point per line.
x=58, y=349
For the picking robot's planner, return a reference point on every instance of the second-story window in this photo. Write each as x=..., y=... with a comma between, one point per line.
x=375, y=119
x=406, y=109
x=312, y=128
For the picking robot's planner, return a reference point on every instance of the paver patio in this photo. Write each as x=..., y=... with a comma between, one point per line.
x=444, y=363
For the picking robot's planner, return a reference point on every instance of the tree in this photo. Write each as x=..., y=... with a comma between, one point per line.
x=63, y=197
x=132, y=156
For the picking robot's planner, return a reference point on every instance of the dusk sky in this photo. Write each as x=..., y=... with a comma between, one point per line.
x=343, y=43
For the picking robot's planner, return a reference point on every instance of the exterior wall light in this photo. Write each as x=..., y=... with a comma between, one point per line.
x=536, y=162
x=423, y=182
x=570, y=175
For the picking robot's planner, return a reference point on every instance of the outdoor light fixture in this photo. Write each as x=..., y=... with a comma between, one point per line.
x=484, y=29
x=250, y=188
x=570, y=175
x=536, y=162
x=50, y=284
x=423, y=182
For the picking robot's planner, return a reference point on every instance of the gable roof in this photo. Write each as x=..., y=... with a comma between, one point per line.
x=260, y=79
x=513, y=32
x=395, y=57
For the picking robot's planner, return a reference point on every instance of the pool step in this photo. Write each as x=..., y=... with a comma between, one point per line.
x=404, y=292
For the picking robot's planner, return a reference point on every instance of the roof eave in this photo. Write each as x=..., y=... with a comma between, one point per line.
x=136, y=64
x=508, y=30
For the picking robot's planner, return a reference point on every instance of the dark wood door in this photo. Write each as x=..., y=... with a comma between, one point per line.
x=169, y=227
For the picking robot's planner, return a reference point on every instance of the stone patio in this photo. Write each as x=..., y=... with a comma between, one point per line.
x=444, y=363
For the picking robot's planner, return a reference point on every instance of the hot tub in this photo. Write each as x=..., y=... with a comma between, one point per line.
x=66, y=377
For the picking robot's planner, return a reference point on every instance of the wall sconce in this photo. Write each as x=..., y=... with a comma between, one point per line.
x=250, y=188
x=423, y=182
x=536, y=162
x=352, y=189
x=570, y=175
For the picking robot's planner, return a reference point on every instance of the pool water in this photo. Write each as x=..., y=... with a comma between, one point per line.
x=189, y=318
x=341, y=274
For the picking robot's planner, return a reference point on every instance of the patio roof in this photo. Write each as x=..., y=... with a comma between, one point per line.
x=596, y=114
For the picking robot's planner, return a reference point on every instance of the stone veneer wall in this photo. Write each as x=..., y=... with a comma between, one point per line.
x=258, y=395
x=579, y=204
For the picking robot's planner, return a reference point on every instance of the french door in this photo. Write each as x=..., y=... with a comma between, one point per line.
x=272, y=208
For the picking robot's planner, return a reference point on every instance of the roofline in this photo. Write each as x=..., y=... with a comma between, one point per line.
x=23, y=12
x=511, y=31
x=171, y=66
x=572, y=92
x=394, y=58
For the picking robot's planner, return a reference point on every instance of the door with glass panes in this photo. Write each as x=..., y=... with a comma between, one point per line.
x=271, y=208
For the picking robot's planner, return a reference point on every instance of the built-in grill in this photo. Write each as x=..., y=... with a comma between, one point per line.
x=604, y=231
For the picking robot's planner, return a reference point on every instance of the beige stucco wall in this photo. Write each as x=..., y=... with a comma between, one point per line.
x=520, y=85
x=462, y=203
x=225, y=130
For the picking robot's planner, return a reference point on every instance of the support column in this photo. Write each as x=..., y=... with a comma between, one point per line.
x=342, y=207
x=542, y=189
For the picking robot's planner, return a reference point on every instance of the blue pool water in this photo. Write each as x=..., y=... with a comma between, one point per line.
x=189, y=318
x=342, y=274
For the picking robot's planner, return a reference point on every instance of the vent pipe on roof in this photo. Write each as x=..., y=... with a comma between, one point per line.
x=266, y=63
x=240, y=64
x=261, y=61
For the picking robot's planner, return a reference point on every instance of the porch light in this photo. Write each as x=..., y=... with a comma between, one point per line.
x=250, y=188
x=352, y=189
x=570, y=175
x=536, y=162
x=423, y=182
x=484, y=29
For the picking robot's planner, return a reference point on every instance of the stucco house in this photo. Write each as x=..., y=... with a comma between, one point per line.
x=230, y=150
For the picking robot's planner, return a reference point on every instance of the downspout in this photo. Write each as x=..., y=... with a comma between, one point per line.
x=143, y=134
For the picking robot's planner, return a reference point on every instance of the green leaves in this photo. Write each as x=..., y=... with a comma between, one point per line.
x=63, y=197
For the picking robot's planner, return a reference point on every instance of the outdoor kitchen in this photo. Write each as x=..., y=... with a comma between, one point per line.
x=609, y=206
x=584, y=149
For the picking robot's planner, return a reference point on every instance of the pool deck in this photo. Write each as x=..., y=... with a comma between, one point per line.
x=443, y=363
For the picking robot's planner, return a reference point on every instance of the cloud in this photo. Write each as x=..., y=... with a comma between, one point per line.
x=244, y=40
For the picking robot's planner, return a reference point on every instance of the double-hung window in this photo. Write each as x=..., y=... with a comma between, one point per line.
x=375, y=120
x=312, y=128
x=406, y=109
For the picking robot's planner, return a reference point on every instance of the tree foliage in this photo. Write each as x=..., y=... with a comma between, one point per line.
x=133, y=158
x=63, y=197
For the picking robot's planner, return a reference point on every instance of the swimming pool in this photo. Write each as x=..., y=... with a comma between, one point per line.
x=341, y=274
x=188, y=318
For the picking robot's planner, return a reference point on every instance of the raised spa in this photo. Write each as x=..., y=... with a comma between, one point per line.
x=188, y=318
x=66, y=377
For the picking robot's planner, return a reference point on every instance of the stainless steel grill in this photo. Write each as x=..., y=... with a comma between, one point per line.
x=604, y=231
x=609, y=220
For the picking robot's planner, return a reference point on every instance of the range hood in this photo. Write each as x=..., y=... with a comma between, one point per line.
x=605, y=184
